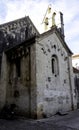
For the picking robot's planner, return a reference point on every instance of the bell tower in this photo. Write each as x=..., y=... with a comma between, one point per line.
x=53, y=18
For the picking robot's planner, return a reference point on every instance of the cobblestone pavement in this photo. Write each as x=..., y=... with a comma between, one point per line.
x=66, y=122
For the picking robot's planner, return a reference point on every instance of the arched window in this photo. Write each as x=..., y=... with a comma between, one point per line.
x=53, y=65
x=54, y=62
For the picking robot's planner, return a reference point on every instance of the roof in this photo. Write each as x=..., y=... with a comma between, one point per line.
x=59, y=35
x=16, y=32
x=26, y=19
x=75, y=56
x=75, y=70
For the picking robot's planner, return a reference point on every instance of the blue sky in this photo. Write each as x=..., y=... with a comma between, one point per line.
x=14, y=9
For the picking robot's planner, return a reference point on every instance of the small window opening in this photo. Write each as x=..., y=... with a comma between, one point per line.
x=55, y=68
x=55, y=46
x=18, y=67
x=53, y=63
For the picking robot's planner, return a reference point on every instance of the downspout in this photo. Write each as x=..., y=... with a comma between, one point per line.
x=71, y=92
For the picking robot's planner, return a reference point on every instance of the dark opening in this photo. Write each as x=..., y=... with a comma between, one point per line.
x=53, y=62
x=18, y=67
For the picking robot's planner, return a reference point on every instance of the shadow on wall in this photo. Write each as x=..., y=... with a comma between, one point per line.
x=76, y=80
x=9, y=111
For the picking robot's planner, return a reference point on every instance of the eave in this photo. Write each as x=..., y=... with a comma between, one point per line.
x=56, y=31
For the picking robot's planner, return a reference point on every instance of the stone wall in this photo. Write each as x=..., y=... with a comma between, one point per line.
x=53, y=90
x=76, y=82
x=72, y=85
x=18, y=85
x=17, y=77
x=3, y=81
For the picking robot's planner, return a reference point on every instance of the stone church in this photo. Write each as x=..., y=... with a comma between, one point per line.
x=35, y=70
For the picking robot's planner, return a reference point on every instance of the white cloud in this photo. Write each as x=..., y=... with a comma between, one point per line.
x=16, y=8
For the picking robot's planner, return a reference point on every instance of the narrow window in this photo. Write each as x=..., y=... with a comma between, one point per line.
x=54, y=62
x=18, y=67
x=53, y=67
